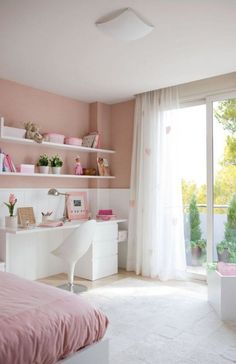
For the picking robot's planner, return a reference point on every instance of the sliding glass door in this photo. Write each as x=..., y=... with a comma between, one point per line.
x=221, y=178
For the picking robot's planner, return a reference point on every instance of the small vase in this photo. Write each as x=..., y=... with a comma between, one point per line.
x=44, y=169
x=56, y=170
x=11, y=222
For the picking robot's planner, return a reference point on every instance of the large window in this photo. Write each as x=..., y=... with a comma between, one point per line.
x=192, y=164
x=223, y=242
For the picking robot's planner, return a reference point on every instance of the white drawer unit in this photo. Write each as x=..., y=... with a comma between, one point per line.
x=2, y=266
x=101, y=260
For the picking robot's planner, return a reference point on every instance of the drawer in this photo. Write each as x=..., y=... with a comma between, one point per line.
x=106, y=231
x=104, y=248
x=104, y=267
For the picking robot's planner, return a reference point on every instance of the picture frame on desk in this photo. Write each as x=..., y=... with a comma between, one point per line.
x=77, y=205
x=26, y=216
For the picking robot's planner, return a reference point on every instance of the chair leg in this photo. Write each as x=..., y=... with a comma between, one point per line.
x=70, y=286
x=71, y=271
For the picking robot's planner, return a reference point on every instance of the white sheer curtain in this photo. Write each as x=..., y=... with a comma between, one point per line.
x=156, y=234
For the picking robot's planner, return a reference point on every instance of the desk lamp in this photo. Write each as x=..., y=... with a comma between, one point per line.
x=54, y=192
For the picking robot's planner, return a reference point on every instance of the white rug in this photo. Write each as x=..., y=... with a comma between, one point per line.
x=161, y=323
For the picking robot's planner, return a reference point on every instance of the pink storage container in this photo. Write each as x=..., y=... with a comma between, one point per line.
x=54, y=138
x=73, y=141
x=26, y=168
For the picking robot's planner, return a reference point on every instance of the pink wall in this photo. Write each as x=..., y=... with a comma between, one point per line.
x=19, y=103
x=122, y=116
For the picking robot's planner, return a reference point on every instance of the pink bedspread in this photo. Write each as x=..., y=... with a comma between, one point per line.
x=41, y=324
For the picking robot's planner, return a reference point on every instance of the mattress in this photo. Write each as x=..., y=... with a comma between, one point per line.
x=40, y=324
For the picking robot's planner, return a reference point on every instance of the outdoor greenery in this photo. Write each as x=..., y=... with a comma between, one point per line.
x=194, y=220
x=225, y=178
x=195, y=230
x=224, y=187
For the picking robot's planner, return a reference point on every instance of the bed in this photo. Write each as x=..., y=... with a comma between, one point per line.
x=40, y=324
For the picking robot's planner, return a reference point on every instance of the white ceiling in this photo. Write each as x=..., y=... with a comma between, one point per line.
x=55, y=46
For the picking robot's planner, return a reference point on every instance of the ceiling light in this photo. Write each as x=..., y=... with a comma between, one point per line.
x=126, y=26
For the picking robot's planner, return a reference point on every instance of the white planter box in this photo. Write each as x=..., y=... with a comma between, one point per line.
x=222, y=295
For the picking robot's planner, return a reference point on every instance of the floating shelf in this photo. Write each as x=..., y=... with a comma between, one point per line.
x=54, y=145
x=18, y=174
x=6, y=136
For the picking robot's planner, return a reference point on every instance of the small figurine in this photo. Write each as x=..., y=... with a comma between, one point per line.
x=78, y=167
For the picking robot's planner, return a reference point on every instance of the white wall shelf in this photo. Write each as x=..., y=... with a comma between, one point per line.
x=54, y=145
x=18, y=174
x=10, y=139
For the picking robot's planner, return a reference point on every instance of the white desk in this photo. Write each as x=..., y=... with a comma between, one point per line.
x=27, y=252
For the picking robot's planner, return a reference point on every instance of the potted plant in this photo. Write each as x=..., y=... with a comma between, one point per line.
x=11, y=220
x=56, y=164
x=223, y=251
x=198, y=245
x=43, y=163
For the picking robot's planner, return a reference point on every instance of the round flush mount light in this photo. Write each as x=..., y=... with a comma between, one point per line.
x=125, y=25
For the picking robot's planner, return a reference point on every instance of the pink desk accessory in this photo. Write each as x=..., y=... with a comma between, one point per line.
x=51, y=223
x=105, y=215
x=226, y=269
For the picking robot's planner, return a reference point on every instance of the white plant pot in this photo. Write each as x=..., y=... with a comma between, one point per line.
x=11, y=222
x=56, y=170
x=44, y=169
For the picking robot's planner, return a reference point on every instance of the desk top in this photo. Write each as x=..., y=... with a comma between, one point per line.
x=67, y=225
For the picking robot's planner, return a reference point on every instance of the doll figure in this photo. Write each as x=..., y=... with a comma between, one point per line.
x=78, y=167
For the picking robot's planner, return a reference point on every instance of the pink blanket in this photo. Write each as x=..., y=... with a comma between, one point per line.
x=41, y=324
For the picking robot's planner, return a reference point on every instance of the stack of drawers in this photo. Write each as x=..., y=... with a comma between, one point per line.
x=101, y=260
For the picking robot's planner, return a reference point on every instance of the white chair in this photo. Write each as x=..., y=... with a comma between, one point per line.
x=72, y=249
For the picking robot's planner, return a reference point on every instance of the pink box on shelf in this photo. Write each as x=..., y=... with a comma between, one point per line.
x=54, y=138
x=105, y=215
x=73, y=141
x=27, y=168
x=226, y=269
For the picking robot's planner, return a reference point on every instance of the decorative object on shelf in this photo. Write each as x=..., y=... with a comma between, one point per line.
x=32, y=132
x=43, y=163
x=26, y=216
x=56, y=164
x=77, y=205
x=54, y=138
x=45, y=215
x=91, y=140
x=11, y=220
x=26, y=168
x=103, y=167
x=105, y=215
x=73, y=141
x=78, y=166
x=89, y=171
x=96, y=141
x=55, y=192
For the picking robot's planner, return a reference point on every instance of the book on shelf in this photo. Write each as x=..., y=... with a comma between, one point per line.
x=8, y=165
